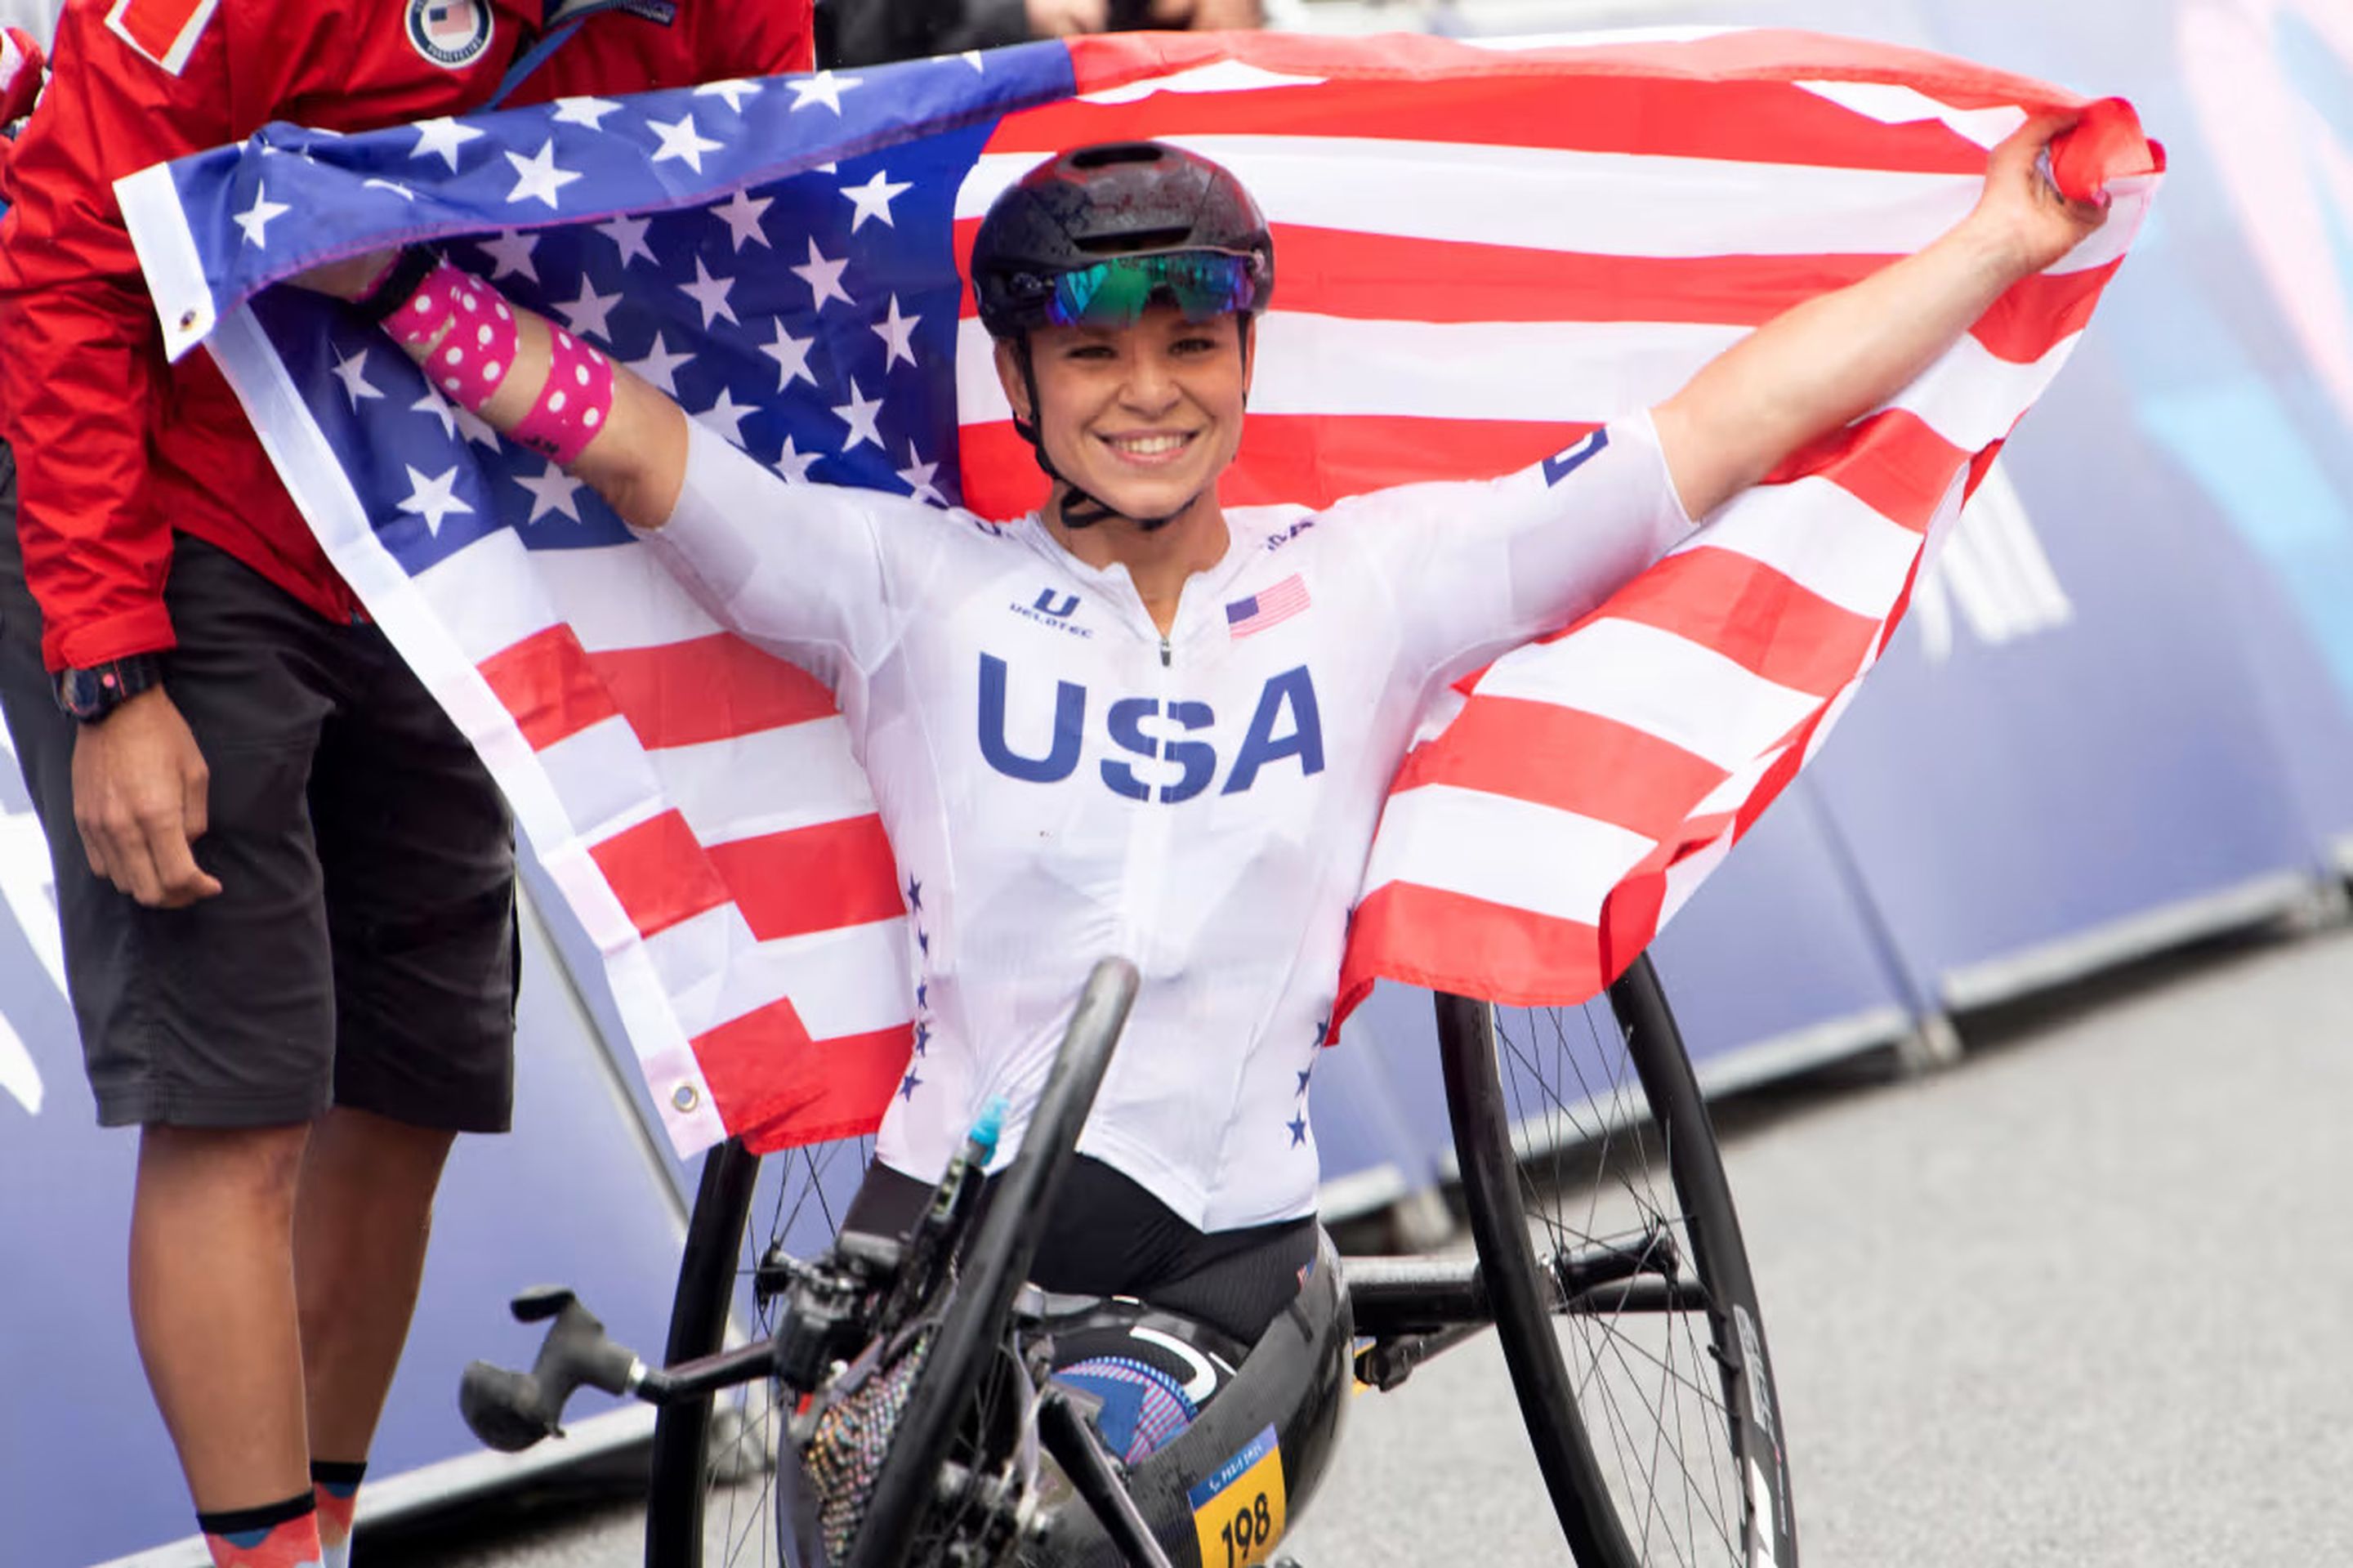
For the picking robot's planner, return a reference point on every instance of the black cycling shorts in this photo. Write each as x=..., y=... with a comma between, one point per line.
x=362, y=950
x=1108, y=1236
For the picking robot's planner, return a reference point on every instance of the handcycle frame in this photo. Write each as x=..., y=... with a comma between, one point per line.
x=1405, y=1310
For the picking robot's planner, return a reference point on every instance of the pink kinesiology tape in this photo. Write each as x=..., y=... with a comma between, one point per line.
x=572, y=406
x=473, y=330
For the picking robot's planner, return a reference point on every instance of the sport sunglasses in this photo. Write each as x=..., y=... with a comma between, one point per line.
x=1114, y=293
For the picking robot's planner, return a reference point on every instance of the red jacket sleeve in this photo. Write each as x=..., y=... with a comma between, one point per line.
x=81, y=358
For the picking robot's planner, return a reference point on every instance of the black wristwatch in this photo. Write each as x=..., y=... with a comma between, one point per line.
x=408, y=269
x=92, y=693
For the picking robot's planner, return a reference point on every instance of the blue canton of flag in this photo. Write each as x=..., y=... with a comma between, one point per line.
x=732, y=244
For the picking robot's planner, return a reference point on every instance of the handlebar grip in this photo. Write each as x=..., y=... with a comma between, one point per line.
x=510, y=1411
x=503, y=1408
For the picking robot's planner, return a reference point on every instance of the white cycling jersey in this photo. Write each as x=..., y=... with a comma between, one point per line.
x=1060, y=782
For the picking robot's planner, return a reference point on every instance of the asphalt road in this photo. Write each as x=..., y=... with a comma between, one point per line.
x=2076, y=1301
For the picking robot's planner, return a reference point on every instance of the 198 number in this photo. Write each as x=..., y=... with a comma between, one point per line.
x=1252, y=1527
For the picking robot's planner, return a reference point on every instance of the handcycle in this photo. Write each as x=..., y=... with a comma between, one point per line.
x=1606, y=1255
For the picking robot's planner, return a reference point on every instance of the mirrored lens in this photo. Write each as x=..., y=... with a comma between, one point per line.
x=1114, y=293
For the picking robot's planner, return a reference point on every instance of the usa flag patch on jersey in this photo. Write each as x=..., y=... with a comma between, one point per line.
x=163, y=32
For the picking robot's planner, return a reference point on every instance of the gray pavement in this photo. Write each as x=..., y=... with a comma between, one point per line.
x=2074, y=1302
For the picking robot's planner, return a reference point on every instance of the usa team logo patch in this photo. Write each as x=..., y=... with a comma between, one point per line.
x=452, y=33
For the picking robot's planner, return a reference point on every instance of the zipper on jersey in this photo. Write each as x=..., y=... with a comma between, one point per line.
x=1149, y=840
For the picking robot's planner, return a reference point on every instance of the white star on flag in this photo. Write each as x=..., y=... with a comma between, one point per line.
x=794, y=463
x=861, y=414
x=588, y=112
x=726, y=416
x=734, y=92
x=873, y=199
x=918, y=477
x=741, y=214
x=537, y=175
x=710, y=293
x=824, y=278
x=255, y=219
x=552, y=490
x=791, y=355
x=629, y=234
x=437, y=405
x=586, y=316
x=658, y=366
x=433, y=499
x=897, y=332
x=510, y=252
x=443, y=136
x=824, y=88
x=681, y=140
x=353, y=373
x=972, y=58
x=476, y=428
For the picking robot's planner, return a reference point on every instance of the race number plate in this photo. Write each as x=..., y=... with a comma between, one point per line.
x=1237, y=1512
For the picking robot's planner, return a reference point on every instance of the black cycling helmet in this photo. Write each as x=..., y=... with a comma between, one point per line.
x=1097, y=234
x=1131, y=200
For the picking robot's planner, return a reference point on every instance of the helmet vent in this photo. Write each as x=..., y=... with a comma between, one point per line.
x=1106, y=155
x=1133, y=240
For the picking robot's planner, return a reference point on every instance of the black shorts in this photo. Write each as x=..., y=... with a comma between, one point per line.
x=1109, y=1236
x=362, y=950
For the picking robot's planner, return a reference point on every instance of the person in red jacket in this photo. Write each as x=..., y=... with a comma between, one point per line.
x=286, y=882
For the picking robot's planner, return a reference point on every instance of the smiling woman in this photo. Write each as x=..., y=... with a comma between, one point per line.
x=1135, y=721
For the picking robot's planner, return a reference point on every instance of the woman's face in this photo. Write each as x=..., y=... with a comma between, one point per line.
x=1143, y=418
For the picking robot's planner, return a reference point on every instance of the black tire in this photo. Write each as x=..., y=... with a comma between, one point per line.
x=709, y=1502
x=994, y=1263
x=1651, y=1406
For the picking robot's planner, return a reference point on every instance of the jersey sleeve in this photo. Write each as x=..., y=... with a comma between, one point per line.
x=81, y=371
x=826, y=576
x=1476, y=567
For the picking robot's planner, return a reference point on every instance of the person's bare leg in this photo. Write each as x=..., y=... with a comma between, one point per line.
x=211, y=1306
x=364, y=1214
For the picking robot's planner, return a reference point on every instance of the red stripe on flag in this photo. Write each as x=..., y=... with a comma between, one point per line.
x=658, y=872
x=1518, y=958
x=546, y=682
x=809, y=879
x=1760, y=619
x=1306, y=460
x=1746, y=122
x=1107, y=61
x=1892, y=463
x=776, y=1088
x=2040, y=311
x=1385, y=277
x=706, y=689
x=1567, y=759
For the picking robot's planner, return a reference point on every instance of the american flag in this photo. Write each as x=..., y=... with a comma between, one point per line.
x=1483, y=255
x=1270, y=607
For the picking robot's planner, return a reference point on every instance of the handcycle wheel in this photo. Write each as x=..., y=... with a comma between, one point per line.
x=709, y=1496
x=1620, y=1289
x=994, y=1265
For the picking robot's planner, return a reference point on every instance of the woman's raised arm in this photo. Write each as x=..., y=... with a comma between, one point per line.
x=530, y=379
x=1814, y=367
